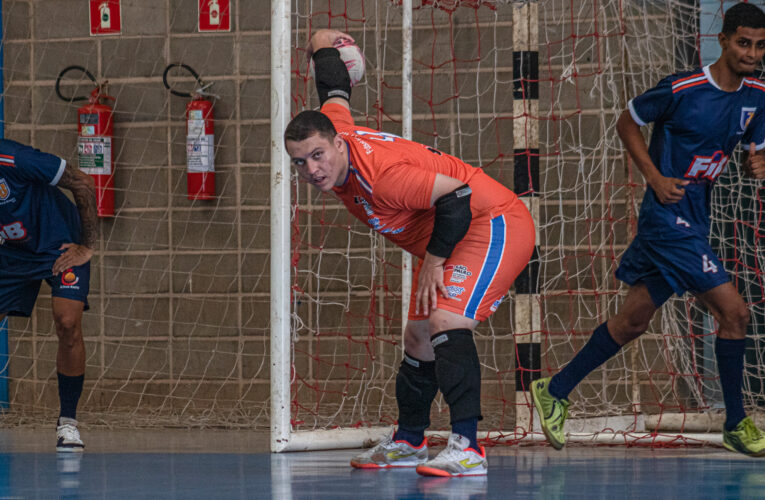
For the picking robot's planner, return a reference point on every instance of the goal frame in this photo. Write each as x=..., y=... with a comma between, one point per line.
x=283, y=437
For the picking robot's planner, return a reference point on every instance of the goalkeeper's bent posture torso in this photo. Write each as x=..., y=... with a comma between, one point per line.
x=390, y=182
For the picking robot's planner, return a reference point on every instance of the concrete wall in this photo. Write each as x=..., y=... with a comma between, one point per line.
x=178, y=327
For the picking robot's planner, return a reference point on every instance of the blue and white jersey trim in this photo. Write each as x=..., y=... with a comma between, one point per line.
x=364, y=184
x=634, y=114
x=60, y=172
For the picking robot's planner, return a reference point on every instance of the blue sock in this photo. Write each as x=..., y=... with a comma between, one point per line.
x=412, y=437
x=69, y=391
x=599, y=349
x=730, y=366
x=469, y=429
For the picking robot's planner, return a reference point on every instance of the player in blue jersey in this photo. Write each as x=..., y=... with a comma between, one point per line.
x=699, y=117
x=44, y=236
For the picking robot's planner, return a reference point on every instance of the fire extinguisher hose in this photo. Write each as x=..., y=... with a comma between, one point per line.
x=187, y=68
x=67, y=70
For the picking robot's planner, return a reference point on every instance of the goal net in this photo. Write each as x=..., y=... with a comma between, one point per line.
x=592, y=58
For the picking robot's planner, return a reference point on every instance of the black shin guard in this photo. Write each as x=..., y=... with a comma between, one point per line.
x=459, y=373
x=416, y=388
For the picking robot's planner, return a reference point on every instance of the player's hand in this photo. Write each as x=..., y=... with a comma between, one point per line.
x=755, y=163
x=74, y=255
x=668, y=189
x=429, y=283
x=325, y=38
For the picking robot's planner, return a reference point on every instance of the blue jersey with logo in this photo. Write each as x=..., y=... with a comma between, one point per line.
x=36, y=218
x=697, y=125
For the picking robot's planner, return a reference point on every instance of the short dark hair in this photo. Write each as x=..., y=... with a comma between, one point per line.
x=742, y=14
x=308, y=123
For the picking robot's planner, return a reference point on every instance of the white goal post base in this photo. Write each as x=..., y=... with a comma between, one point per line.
x=620, y=430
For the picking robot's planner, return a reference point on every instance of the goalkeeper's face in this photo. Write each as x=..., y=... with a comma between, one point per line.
x=319, y=160
x=743, y=50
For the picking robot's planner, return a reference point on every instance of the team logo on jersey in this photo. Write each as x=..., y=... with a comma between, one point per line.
x=455, y=291
x=746, y=116
x=682, y=222
x=459, y=273
x=5, y=191
x=69, y=279
x=708, y=167
x=13, y=231
x=373, y=220
x=496, y=304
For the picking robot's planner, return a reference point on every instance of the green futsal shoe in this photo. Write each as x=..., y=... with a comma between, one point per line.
x=746, y=438
x=552, y=412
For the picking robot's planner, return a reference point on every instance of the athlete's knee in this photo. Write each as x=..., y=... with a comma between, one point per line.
x=459, y=372
x=637, y=326
x=735, y=319
x=417, y=340
x=625, y=328
x=442, y=320
x=67, y=327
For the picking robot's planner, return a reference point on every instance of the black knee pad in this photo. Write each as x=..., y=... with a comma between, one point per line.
x=459, y=373
x=416, y=388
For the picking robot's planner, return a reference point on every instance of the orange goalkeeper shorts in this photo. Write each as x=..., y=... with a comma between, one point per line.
x=483, y=266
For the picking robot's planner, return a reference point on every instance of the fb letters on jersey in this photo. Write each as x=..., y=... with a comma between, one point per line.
x=709, y=167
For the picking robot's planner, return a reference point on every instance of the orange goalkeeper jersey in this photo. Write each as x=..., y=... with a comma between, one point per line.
x=390, y=183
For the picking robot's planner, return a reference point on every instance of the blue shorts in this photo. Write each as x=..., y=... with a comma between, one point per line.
x=20, y=283
x=672, y=266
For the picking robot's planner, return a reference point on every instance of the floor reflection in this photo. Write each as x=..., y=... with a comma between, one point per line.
x=524, y=473
x=68, y=465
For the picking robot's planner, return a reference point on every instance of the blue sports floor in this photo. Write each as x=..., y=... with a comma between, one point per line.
x=188, y=470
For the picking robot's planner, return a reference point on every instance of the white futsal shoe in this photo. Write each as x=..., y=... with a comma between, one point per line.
x=389, y=453
x=457, y=459
x=68, y=437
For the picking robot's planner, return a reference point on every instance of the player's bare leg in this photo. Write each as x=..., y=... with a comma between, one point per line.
x=551, y=394
x=729, y=309
x=442, y=319
x=70, y=364
x=67, y=315
x=634, y=315
x=732, y=315
x=417, y=340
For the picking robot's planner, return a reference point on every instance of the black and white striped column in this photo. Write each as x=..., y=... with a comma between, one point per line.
x=526, y=317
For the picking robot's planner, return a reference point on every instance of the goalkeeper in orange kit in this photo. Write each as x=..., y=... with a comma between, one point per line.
x=472, y=236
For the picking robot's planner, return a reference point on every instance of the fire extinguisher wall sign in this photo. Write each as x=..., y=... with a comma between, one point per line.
x=105, y=17
x=214, y=15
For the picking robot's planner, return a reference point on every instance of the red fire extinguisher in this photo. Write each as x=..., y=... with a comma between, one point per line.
x=95, y=151
x=200, y=138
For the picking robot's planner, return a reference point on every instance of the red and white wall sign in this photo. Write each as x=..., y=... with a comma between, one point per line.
x=105, y=17
x=214, y=15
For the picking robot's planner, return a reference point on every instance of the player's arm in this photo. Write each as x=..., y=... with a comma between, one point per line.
x=755, y=163
x=333, y=82
x=451, y=199
x=83, y=190
x=667, y=189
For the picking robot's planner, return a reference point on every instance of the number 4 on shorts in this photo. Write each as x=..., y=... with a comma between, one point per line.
x=708, y=265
